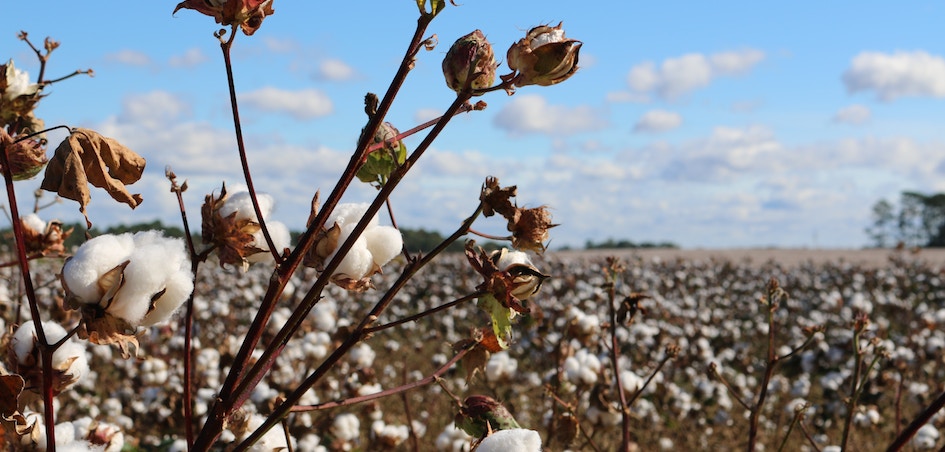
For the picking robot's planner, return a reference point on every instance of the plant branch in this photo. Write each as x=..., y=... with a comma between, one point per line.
x=387, y=392
x=374, y=329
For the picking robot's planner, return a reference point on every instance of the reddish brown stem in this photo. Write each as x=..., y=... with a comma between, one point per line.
x=46, y=350
x=244, y=162
x=423, y=314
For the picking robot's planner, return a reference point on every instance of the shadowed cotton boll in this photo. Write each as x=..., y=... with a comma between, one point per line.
x=376, y=246
x=513, y=440
x=70, y=359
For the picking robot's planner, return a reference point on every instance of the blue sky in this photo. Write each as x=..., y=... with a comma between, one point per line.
x=713, y=125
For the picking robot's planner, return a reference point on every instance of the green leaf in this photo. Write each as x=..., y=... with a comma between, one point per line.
x=501, y=318
x=437, y=6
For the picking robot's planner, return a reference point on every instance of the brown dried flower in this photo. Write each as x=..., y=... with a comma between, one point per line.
x=248, y=14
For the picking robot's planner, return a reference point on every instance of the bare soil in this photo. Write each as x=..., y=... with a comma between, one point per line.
x=870, y=258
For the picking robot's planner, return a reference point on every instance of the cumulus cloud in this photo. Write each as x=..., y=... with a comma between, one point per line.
x=129, y=57
x=675, y=77
x=301, y=104
x=727, y=153
x=192, y=57
x=895, y=75
x=853, y=114
x=658, y=121
x=425, y=114
x=334, y=70
x=532, y=114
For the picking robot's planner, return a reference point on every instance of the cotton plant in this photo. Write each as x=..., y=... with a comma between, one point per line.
x=518, y=440
x=125, y=281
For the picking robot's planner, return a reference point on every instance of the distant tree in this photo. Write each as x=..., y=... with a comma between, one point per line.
x=919, y=221
x=610, y=243
x=883, y=230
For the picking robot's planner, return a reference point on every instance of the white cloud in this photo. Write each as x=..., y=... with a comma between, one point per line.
x=192, y=57
x=425, y=114
x=334, y=70
x=277, y=45
x=301, y=104
x=853, y=114
x=896, y=75
x=678, y=76
x=532, y=114
x=658, y=121
x=154, y=108
x=129, y=57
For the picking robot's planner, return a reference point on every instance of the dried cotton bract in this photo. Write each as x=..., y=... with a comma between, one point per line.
x=123, y=281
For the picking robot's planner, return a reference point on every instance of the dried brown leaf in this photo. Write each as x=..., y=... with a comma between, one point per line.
x=10, y=388
x=87, y=157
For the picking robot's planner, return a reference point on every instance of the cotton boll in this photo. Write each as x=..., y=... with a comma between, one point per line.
x=501, y=366
x=583, y=367
x=242, y=203
x=362, y=356
x=154, y=260
x=33, y=222
x=178, y=288
x=349, y=214
x=74, y=355
x=516, y=439
x=384, y=243
x=630, y=381
x=24, y=339
x=358, y=262
x=91, y=261
x=346, y=427
x=453, y=439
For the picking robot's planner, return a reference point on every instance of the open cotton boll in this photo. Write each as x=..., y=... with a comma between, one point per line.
x=358, y=262
x=33, y=222
x=280, y=239
x=513, y=440
x=93, y=259
x=349, y=213
x=74, y=354
x=242, y=203
x=153, y=262
x=24, y=339
x=178, y=288
x=384, y=243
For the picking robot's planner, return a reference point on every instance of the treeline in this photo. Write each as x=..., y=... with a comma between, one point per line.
x=918, y=220
x=613, y=244
x=415, y=240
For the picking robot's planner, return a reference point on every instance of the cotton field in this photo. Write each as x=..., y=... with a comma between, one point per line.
x=692, y=357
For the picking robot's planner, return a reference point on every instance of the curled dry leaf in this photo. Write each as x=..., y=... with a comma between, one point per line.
x=87, y=157
x=10, y=388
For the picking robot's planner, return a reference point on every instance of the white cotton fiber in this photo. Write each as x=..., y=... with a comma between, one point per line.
x=280, y=239
x=74, y=352
x=349, y=213
x=384, y=243
x=242, y=203
x=93, y=259
x=154, y=260
x=178, y=289
x=33, y=222
x=24, y=339
x=358, y=261
x=514, y=440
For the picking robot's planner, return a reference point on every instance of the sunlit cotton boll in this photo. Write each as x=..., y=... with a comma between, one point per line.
x=346, y=427
x=453, y=439
x=241, y=203
x=501, y=366
x=583, y=367
x=516, y=439
x=376, y=246
x=925, y=438
x=70, y=357
x=157, y=266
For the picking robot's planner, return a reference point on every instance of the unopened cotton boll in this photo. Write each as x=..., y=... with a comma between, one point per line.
x=512, y=440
